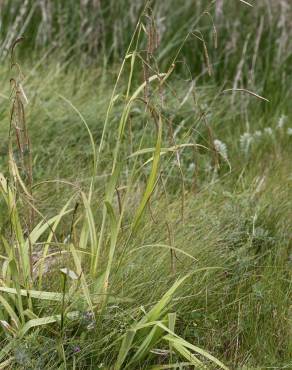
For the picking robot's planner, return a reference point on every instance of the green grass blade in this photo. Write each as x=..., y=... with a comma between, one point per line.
x=92, y=143
x=125, y=348
x=10, y=311
x=151, y=180
x=151, y=339
x=80, y=273
x=114, y=225
x=185, y=344
x=42, y=295
x=155, y=313
x=110, y=189
x=35, y=323
x=92, y=231
x=184, y=352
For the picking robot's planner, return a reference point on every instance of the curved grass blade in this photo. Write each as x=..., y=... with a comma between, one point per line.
x=35, y=323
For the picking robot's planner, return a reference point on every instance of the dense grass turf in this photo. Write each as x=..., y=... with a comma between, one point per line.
x=172, y=193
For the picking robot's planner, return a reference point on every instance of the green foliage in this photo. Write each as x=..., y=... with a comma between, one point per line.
x=155, y=232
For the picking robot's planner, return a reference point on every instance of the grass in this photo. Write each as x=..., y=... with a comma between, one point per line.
x=154, y=229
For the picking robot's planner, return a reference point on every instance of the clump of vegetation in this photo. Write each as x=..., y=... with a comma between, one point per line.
x=145, y=225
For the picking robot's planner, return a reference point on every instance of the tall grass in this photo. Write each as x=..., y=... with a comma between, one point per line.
x=104, y=29
x=139, y=215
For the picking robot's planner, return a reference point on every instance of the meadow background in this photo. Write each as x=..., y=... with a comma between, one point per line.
x=145, y=172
